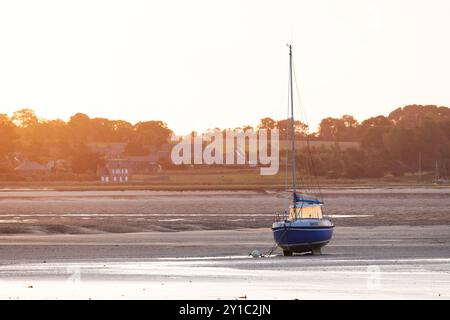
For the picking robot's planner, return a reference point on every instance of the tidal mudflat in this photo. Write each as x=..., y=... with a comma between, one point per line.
x=388, y=244
x=75, y=212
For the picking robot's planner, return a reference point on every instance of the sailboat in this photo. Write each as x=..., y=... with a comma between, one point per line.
x=305, y=229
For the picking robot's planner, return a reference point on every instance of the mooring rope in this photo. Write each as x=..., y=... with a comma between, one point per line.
x=276, y=244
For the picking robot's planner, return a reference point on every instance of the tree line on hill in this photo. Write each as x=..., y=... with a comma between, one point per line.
x=409, y=137
x=41, y=140
x=390, y=144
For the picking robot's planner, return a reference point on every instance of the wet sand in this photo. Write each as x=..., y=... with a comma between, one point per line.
x=394, y=262
x=65, y=212
x=374, y=254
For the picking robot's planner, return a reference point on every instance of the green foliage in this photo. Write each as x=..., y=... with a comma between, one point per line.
x=343, y=129
x=388, y=145
x=154, y=133
x=84, y=161
x=8, y=135
x=25, y=118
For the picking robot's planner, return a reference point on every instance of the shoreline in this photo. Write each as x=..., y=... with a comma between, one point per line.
x=220, y=181
x=209, y=188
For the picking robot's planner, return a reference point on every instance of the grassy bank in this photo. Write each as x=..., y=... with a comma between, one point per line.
x=215, y=179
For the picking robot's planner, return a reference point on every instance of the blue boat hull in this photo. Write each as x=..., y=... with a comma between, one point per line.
x=302, y=239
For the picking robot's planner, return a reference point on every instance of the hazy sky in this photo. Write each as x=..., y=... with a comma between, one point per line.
x=205, y=64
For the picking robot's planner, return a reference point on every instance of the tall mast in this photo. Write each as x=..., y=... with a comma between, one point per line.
x=294, y=178
x=436, y=172
x=420, y=166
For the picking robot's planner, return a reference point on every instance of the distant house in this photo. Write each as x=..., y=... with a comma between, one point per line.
x=57, y=165
x=4, y=162
x=115, y=171
x=164, y=153
x=108, y=149
x=32, y=169
x=143, y=164
x=116, y=150
x=104, y=174
x=303, y=144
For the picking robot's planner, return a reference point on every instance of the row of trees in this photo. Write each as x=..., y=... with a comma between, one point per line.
x=407, y=138
x=397, y=144
x=388, y=145
x=42, y=140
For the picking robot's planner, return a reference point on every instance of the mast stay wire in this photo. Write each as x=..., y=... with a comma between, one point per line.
x=313, y=173
x=314, y=183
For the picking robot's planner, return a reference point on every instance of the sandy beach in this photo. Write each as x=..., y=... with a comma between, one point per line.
x=98, y=245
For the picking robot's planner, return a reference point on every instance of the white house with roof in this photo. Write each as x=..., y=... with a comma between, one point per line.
x=115, y=171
